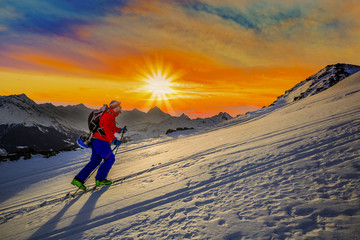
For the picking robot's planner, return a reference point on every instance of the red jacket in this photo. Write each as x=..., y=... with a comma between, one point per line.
x=107, y=123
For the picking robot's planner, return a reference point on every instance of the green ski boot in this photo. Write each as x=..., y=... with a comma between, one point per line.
x=103, y=182
x=79, y=184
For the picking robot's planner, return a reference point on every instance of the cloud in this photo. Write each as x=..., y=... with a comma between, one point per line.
x=233, y=33
x=255, y=16
x=56, y=18
x=245, y=50
x=226, y=13
x=266, y=32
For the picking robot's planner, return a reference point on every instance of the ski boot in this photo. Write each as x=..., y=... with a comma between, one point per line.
x=78, y=183
x=103, y=182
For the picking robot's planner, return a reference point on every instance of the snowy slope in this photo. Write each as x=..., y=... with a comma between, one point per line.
x=291, y=174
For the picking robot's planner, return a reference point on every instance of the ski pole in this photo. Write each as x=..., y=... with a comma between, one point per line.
x=121, y=138
x=124, y=129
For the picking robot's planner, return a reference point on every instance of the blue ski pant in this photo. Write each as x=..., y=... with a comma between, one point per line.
x=100, y=150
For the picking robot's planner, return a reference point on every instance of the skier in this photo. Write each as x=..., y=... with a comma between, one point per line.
x=101, y=148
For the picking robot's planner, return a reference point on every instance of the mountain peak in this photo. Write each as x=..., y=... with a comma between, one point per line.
x=155, y=110
x=342, y=66
x=22, y=95
x=19, y=101
x=320, y=81
x=225, y=116
x=339, y=70
x=136, y=110
x=157, y=115
x=184, y=116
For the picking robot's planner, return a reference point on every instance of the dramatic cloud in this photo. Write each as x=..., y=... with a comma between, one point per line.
x=247, y=51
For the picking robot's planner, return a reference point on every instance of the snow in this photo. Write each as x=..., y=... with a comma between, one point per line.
x=21, y=110
x=288, y=173
x=155, y=123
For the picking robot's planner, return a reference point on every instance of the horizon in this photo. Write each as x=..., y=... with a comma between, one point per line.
x=64, y=104
x=125, y=109
x=194, y=57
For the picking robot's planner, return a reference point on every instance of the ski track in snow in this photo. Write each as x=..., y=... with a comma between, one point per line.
x=289, y=174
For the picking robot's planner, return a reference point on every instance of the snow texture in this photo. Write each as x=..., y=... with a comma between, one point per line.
x=290, y=173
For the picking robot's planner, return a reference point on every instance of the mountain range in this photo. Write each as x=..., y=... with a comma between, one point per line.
x=45, y=127
x=26, y=126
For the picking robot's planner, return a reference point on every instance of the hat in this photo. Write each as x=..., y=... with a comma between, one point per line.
x=114, y=104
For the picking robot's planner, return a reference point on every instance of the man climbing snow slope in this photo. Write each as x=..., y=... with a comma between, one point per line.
x=101, y=148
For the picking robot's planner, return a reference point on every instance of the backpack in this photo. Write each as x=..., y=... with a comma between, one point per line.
x=94, y=120
x=84, y=141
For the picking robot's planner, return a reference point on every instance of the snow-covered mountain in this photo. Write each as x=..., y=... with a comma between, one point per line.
x=44, y=127
x=291, y=174
x=324, y=79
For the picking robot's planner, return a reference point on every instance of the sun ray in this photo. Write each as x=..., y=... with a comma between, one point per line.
x=159, y=80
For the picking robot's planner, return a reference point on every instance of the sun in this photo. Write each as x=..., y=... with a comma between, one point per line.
x=159, y=79
x=159, y=83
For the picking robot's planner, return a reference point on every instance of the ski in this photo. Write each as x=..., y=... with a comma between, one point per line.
x=77, y=193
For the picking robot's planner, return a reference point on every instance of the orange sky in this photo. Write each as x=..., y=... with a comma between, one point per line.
x=197, y=57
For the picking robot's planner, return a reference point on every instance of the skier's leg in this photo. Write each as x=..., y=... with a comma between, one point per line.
x=109, y=159
x=105, y=167
x=94, y=162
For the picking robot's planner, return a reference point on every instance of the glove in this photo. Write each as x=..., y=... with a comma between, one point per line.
x=124, y=130
x=116, y=142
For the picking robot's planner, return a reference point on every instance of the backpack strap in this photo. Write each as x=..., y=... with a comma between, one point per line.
x=107, y=110
x=100, y=130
